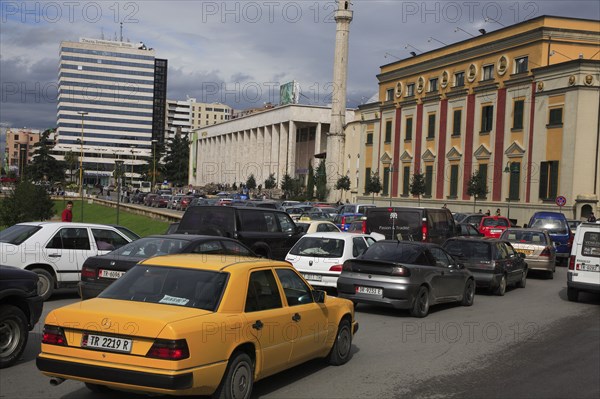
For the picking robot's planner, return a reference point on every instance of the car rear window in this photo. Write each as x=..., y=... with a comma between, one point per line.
x=591, y=244
x=405, y=226
x=398, y=252
x=208, y=220
x=319, y=247
x=530, y=237
x=554, y=226
x=470, y=250
x=18, y=234
x=491, y=222
x=192, y=288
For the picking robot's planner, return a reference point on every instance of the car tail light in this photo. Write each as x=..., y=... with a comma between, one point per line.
x=546, y=252
x=88, y=272
x=570, y=241
x=364, y=227
x=336, y=268
x=400, y=271
x=572, y=262
x=169, y=349
x=343, y=221
x=54, y=335
x=424, y=230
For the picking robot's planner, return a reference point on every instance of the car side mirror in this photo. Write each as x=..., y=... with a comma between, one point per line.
x=522, y=255
x=319, y=296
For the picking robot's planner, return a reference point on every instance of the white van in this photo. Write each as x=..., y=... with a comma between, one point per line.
x=584, y=263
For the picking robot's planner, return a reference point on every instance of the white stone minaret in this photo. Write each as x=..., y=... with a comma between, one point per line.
x=335, y=137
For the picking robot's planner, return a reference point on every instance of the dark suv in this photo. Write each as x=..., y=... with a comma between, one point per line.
x=494, y=262
x=268, y=232
x=20, y=310
x=412, y=224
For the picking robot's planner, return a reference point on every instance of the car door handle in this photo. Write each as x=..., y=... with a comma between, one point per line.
x=258, y=325
x=55, y=255
x=296, y=317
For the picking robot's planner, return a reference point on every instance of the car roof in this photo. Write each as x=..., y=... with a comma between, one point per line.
x=211, y=262
x=67, y=224
x=335, y=234
x=188, y=237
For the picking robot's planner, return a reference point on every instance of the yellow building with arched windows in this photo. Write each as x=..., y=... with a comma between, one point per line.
x=519, y=105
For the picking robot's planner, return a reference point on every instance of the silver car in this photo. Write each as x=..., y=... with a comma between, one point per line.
x=536, y=245
x=406, y=275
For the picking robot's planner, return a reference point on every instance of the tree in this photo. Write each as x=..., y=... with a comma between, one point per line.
x=287, y=185
x=343, y=184
x=321, y=181
x=177, y=160
x=44, y=167
x=26, y=203
x=310, y=182
x=251, y=182
x=71, y=160
x=270, y=184
x=476, y=188
x=373, y=185
x=417, y=185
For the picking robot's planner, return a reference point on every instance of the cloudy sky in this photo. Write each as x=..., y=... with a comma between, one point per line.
x=238, y=52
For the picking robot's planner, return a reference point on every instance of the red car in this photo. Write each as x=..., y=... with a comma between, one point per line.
x=184, y=203
x=493, y=226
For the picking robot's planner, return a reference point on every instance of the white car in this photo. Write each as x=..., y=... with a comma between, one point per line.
x=319, y=256
x=584, y=264
x=56, y=250
x=317, y=226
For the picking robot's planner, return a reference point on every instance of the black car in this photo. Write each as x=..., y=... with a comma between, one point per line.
x=406, y=275
x=468, y=230
x=411, y=223
x=98, y=272
x=20, y=310
x=494, y=262
x=268, y=232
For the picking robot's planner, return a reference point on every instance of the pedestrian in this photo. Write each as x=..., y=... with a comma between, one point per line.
x=592, y=218
x=67, y=214
x=444, y=207
x=498, y=212
x=488, y=213
x=480, y=210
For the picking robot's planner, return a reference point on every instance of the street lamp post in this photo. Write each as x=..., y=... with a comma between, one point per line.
x=119, y=165
x=132, y=147
x=153, y=163
x=391, y=180
x=508, y=169
x=83, y=114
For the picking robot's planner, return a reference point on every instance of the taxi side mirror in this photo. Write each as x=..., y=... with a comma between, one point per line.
x=319, y=296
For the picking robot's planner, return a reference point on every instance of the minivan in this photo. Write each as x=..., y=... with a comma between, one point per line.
x=411, y=223
x=558, y=228
x=584, y=263
x=268, y=232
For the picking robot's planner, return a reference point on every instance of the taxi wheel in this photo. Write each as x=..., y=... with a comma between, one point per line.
x=421, y=303
x=238, y=380
x=340, y=352
x=45, y=283
x=13, y=334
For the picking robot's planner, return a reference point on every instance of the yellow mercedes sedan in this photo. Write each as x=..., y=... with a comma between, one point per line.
x=196, y=325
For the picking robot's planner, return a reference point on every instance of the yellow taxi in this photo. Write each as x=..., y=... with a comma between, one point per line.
x=196, y=325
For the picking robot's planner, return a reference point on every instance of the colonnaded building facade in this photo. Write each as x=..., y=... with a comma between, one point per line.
x=281, y=140
x=520, y=105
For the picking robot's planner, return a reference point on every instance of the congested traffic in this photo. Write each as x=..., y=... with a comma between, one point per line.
x=154, y=308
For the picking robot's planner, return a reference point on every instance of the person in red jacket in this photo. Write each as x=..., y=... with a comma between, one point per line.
x=67, y=214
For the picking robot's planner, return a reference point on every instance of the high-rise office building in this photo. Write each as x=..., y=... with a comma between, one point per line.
x=111, y=105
